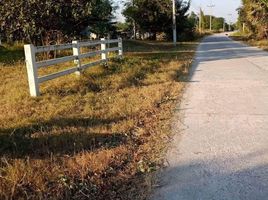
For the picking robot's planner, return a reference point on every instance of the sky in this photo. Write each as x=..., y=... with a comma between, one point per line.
x=223, y=8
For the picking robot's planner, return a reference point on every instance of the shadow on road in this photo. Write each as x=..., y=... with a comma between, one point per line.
x=206, y=179
x=223, y=48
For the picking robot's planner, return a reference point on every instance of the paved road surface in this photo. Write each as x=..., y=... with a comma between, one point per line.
x=220, y=150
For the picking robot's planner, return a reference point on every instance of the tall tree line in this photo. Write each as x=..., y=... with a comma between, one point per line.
x=45, y=21
x=254, y=15
x=155, y=16
x=217, y=23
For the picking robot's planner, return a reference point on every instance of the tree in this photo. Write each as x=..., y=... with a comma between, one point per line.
x=203, y=20
x=206, y=21
x=254, y=13
x=39, y=21
x=100, y=18
x=193, y=20
x=217, y=23
x=155, y=16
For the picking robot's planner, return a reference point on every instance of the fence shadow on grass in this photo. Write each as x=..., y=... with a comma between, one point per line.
x=66, y=136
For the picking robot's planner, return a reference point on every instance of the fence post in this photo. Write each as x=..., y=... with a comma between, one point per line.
x=76, y=52
x=30, y=60
x=120, y=46
x=103, y=48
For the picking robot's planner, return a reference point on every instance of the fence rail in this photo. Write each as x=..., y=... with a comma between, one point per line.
x=33, y=65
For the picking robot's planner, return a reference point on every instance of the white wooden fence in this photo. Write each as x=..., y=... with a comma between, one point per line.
x=33, y=65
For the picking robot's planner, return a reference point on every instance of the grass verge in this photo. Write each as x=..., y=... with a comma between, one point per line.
x=263, y=44
x=98, y=136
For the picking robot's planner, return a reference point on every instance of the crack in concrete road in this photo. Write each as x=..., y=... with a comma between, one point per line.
x=223, y=152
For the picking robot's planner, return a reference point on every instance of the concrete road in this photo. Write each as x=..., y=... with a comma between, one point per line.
x=220, y=149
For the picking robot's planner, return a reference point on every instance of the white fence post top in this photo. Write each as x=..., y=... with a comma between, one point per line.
x=30, y=60
x=75, y=42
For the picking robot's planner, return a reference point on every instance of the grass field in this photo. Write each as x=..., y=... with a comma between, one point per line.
x=98, y=136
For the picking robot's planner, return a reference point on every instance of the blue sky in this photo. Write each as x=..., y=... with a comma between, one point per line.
x=222, y=8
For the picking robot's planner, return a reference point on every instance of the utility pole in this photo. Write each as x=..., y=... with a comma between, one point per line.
x=211, y=6
x=174, y=23
x=230, y=21
x=223, y=27
x=244, y=27
x=200, y=20
x=134, y=24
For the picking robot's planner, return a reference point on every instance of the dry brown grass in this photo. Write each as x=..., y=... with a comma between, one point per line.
x=263, y=44
x=259, y=43
x=97, y=136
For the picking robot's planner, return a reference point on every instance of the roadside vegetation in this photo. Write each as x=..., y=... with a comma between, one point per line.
x=98, y=136
x=252, y=19
x=253, y=23
x=103, y=134
x=252, y=41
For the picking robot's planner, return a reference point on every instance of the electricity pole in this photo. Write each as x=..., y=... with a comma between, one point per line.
x=174, y=23
x=211, y=6
x=230, y=21
x=200, y=20
x=134, y=24
x=244, y=27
